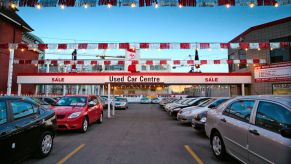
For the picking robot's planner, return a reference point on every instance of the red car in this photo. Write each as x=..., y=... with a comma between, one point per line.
x=77, y=112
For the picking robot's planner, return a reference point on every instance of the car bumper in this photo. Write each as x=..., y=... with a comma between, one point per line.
x=120, y=107
x=183, y=119
x=198, y=125
x=69, y=124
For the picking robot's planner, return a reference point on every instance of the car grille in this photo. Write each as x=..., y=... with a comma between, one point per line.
x=60, y=116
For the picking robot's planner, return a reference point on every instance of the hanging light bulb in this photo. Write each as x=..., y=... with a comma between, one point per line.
x=227, y=5
x=180, y=5
x=62, y=6
x=109, y=5
x=38, y=6
x=13, y=5
x=252, y=4
x=156, y=5
x=85, y=5
x=276, y=4
x=133, y=4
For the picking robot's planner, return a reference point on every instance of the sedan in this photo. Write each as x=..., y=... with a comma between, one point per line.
x=145, y=100
x=26, y=128
x=76, y=112
x=253, y=129
x=120, y=103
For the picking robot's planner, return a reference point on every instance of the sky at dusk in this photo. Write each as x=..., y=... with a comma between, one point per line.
x=165, y=24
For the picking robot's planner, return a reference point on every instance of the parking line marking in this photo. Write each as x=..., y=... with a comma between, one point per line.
x=193, y=154
x=71, y=154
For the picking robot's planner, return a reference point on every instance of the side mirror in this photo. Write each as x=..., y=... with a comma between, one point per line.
x=211, y=106
x=286, y=132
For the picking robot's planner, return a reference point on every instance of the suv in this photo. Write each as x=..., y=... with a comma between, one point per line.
x=253, y=129
x=25, y=128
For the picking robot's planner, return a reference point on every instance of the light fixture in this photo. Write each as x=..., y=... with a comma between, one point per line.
x=13, y=5
x=156, y=5
x=22, y=49
x=38, y=6
x=133, y=5
x=276, y=4
x=85, y=5
x=246, y=49
x=252, y=4
x=62, y=6
x=180, y=5
x=227, y=5
x=109, y=5
x=259, y=49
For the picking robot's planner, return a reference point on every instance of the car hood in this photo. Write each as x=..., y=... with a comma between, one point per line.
x=66, y=109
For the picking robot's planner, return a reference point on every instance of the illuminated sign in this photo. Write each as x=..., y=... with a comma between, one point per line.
x=211, y=79
x=58, y=80
x=134, y=79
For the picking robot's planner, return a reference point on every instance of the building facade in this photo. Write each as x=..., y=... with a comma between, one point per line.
x=13, y=29
x=276, y=31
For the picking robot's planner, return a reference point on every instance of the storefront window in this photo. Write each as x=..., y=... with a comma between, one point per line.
x=282, y=89
x=281, y=54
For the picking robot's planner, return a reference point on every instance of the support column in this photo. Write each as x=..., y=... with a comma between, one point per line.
x=64, y=90
x=10, y=71
x=19, y=90
x=86, y=89
x=47, y=71
x=77, y=89
x=98, y=87
x=109, y=88
x=92, y=89
x=103, y=89
x=113, y=104
x=36, y=90
x=243, y=89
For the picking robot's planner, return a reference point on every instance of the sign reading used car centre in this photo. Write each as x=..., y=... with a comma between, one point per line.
x=150, y=79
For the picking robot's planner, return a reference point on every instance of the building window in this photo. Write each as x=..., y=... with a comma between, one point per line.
x=114, y=67
x=242, y=55
x=144, y=67
x=281, y=54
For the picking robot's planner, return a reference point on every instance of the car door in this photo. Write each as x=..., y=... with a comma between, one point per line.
x=266, y=144
x=27, y=125
x=7, y=139
x=92, y=110
x=234, y=125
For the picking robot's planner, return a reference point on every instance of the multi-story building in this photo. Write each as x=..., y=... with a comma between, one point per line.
x=279, y=58
x=13, y=29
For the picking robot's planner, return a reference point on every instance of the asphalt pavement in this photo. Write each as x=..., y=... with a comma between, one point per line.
x=142, y=134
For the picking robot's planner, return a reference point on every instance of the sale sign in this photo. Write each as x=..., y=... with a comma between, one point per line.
x=273, y=72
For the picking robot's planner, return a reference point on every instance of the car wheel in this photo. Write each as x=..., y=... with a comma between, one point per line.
x=85, y=125
x=217, y=146
x=100, y=119
x=45, y=145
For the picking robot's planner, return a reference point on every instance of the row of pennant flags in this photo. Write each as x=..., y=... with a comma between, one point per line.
x=143, y=3
x=126, y=46
x=142, y=62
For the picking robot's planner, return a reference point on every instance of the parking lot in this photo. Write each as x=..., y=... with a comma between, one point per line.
x=142, y=134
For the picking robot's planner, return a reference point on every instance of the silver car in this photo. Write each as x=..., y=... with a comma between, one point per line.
x=253, y=129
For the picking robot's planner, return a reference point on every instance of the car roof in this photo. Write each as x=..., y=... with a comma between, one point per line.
x=283, y=99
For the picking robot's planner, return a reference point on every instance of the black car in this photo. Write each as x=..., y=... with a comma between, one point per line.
x=26, y=128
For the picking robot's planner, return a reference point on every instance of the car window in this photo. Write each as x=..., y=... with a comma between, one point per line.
x=3, y=113
x=21, y=109
x=72, y=101
x=198, y=102
x=217, y=103
x=240, y=110
x=273, y=117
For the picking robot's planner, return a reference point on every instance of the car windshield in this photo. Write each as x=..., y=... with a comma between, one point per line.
x=72, y=101
x=191, y=102
x=207, y=102
x=41, y=102
x=186, y=102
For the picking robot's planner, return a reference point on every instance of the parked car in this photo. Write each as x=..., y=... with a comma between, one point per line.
x=145, y=100
x=166, y=100
x=155, y=100
x=121, y=103
x=253, y=129
x=193, y=103
x=178, y=103
x=105, y=102
x=40, y=102
x=190, y=112
x=77, y=112
x=48, y=100
x=26, y=128
x=199, y=114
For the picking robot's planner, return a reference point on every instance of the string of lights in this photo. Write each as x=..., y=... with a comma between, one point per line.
x=62, y=4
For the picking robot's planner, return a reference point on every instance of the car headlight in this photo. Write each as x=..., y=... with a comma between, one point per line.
x=203, y=119
x=177, y=109
x=75, y=115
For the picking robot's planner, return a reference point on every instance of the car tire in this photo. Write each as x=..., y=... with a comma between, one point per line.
x=100, y=120
x=217, y=146
x=45, y=144
x=85, y=125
